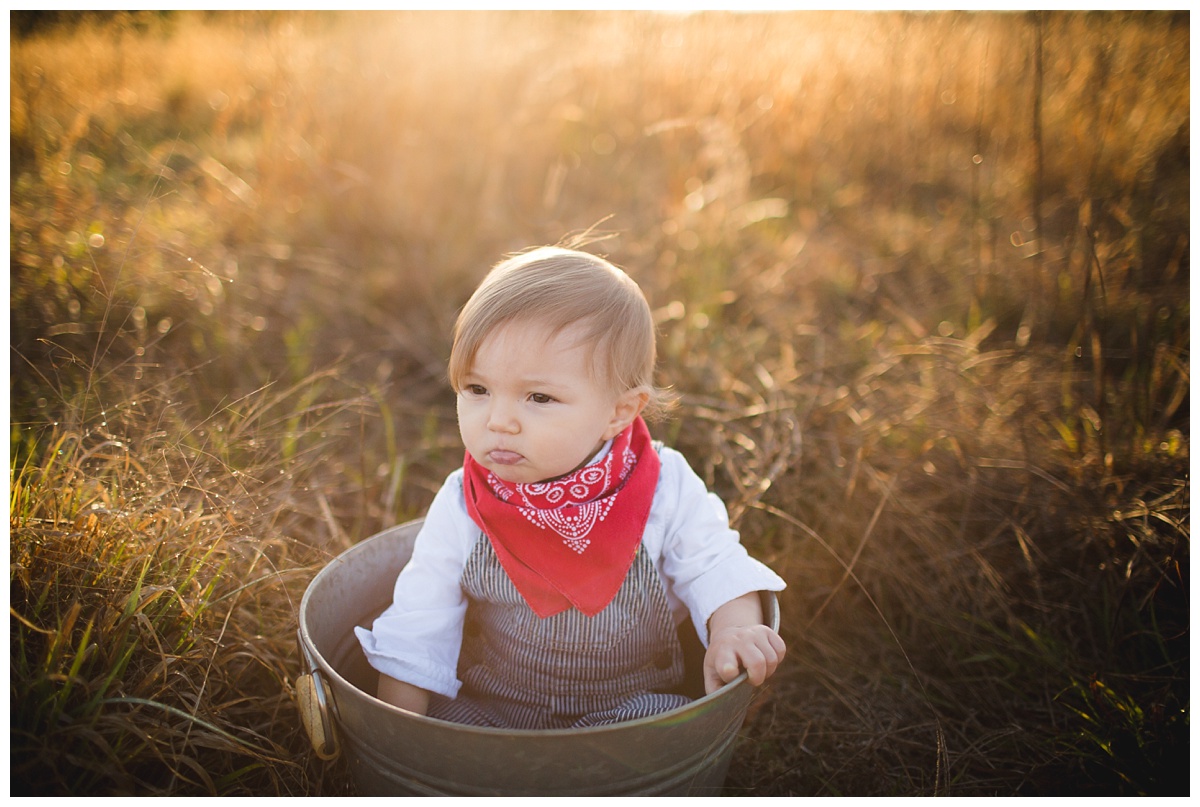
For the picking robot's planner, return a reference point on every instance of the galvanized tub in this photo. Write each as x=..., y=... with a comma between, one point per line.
x=685, y=751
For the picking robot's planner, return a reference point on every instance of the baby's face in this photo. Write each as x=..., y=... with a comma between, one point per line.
x=529, y=410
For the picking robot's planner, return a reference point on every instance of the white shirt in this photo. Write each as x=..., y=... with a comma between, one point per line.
x=698, y=557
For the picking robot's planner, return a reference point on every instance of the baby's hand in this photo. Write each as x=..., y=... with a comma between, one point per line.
x=756, y=648
x=738, y=640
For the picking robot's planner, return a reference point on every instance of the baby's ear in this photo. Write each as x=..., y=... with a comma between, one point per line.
x=628, y=406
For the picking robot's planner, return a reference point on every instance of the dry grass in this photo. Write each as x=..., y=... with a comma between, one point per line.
x=924, y=301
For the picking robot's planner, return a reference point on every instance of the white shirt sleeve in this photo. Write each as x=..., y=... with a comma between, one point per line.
x=417, y=639
x=700, y=557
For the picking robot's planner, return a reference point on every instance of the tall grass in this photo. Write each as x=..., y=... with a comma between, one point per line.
x=923, y=296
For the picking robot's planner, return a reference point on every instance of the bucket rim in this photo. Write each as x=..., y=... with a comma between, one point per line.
x=676, y=715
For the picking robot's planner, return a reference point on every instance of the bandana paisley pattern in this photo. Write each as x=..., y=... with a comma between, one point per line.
x=570, y=507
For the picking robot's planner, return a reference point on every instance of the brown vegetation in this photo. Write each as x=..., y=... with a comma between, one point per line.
x=921, y=281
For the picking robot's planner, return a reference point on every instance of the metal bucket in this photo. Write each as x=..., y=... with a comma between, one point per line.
x=685, y=751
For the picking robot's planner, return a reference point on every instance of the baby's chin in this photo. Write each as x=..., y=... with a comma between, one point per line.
x=514, y=475
x=522, y=474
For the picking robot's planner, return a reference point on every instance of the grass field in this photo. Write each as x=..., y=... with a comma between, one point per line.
x=922, y=284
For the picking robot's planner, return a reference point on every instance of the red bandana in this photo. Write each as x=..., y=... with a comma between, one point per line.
x=569, y=541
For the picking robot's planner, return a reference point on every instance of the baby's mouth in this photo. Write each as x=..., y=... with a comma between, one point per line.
x=501, y=457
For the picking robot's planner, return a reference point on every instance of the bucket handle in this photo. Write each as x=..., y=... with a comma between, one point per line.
x=314, y=702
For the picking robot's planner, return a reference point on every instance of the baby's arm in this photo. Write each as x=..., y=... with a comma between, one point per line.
x=406, y=696
x=738, y=639
x=418, y=636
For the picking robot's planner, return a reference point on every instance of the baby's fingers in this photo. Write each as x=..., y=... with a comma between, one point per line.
x=761, y=654
x=757, y=650
x=773, y=652
x=720, y=667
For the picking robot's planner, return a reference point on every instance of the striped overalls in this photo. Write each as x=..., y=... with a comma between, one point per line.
x=568, y=670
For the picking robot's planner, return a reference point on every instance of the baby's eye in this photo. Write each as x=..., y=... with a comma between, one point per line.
x=540, y=397
x=475, y=389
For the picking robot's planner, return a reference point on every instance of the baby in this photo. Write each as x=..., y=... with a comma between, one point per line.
x=552, y=569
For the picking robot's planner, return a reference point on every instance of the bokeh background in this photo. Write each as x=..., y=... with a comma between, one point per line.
x=922, y=284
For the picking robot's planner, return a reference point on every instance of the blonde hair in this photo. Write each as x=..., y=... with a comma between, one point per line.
x=558, y=288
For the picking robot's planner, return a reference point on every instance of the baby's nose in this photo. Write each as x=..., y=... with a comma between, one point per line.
x=501, y=418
